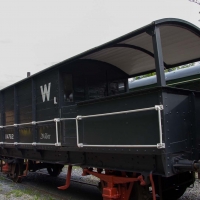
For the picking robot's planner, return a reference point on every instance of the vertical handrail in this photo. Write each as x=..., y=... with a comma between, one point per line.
x=56, y=120
x=161, y=144
x=77, y=133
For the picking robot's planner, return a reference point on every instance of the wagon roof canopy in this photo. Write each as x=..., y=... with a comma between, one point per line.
x=133, y=53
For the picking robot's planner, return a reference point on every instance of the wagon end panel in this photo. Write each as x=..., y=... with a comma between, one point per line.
x=179, y=131
x=178, y=111
x=196, y=126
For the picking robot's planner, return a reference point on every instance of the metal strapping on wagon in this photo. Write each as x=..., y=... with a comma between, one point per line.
x=79, y=117
x=156, y=107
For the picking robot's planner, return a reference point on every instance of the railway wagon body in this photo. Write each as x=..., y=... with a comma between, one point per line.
x=81, y=112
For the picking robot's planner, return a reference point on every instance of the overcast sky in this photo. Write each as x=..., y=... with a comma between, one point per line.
x=36, y=34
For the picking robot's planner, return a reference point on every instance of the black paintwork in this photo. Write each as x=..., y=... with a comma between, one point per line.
x=157, y=47
x=93, y=94
x=135, y=128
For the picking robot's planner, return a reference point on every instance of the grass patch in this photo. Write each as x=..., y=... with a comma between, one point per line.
x=36, y=197
x=2, y=178
x=51, y=198
x=25, y=193
x=16, y=193
x=33, y=194
x=28, y=191
x=20, y=193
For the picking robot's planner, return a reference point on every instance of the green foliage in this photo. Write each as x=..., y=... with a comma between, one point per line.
x=180, y=67
x=167, y=70
x=145, y=75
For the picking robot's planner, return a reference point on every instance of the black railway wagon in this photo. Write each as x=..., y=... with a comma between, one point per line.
x=80, y=112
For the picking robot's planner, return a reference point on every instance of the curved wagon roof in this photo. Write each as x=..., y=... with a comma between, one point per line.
x=133, y=53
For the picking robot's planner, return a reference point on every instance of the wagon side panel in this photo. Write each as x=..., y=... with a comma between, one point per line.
x=47, y=108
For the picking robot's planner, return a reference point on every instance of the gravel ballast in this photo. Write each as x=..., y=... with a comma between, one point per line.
x=41, y=186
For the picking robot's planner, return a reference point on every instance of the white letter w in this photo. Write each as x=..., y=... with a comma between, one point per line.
x=45, y=92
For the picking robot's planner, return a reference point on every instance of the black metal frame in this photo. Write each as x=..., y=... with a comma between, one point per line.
x=2, y=122
x=34, y=132
x=157, y=47
x=16, y=114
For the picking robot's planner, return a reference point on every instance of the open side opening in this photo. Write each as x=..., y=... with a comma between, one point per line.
x=88, y=80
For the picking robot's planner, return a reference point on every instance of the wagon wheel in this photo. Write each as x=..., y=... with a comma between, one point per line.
x=15, y=177
x=54, y=170
x=140, y=192
x=174, y=194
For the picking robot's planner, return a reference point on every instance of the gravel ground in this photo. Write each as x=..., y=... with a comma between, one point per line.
x=14, y=191
x=192, y=193
x=40, y=186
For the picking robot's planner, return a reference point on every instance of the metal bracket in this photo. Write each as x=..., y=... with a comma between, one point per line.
x=80, y=144
x=56, y=120
x=34, y=143
x=79, y=117
x=159, y=107
x=161, y=145
x=15, y=143
x=58, y=144
x=33, y=123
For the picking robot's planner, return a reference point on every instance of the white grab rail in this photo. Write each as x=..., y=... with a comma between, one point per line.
x=156, y=107
x=57, y=120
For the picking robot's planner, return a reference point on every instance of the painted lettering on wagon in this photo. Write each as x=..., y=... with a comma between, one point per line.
x=9, y=136
x=45, y=92
x=45, y=136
